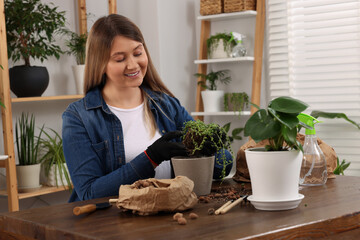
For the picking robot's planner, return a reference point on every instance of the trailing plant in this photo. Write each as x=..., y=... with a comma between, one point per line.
x=235, y=133
x=238, y=100
x=76, y=45
x=341, y=167
x=210, y=80
x=54, y=157
x=202, y=139
x=30, y=30
x=213, y=41
x=277, y=123
x=28, y=145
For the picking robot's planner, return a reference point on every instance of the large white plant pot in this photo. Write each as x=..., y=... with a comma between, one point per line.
x=28, y=177
x=199, y=170
x=213, y=100
x=274, y=178
x=219, y=51
x=53, y=177
x=78, y=71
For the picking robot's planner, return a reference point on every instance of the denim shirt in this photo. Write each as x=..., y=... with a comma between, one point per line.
x=94, y=146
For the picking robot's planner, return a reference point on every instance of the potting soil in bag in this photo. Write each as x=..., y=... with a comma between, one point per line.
x=151, y=196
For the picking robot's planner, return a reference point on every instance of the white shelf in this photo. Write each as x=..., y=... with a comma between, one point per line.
x=220, y=60
x=229, y=113
x=228, y=16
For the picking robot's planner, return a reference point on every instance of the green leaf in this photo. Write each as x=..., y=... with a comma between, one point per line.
x=262, y=125
x=289, y=120
x=317, y=114
x=289, y=135
x=288, y=105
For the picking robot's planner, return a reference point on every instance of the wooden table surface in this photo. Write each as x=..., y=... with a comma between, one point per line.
x=330, y=211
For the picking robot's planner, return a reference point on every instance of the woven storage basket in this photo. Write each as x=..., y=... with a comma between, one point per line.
x=239, y=5
x=208, y=7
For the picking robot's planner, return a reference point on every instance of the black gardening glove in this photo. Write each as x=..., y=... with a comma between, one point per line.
x=164, y=149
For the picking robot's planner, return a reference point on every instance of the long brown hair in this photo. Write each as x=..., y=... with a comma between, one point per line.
x=98, y=48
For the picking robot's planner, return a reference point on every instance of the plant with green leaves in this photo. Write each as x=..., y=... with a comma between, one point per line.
x=27, y=144
x=341, y=167
x=238, y=101
x=30, y=30
x=277, y=123
x=213, y=42
x=210, y=80
x=76, y=45
x=235, y=133
x=52, y=147
x=202, y=139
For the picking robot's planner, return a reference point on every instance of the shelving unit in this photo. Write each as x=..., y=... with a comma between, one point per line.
x=257, y=58
x=11, y=191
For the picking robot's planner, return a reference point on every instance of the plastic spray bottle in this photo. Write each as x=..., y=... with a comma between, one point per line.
x=238, y=50
x=313, y=168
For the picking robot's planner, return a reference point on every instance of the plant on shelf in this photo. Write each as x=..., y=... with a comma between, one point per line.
x=77, y=47
x=236, y=101
x=220, y=45
x=28, y=147
x=53, y=161
x=30, y=30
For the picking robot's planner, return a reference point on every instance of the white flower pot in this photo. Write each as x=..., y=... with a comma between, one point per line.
x=78, y=71
x=28, y=177
x=219, y=51
x=199, y=170
x=274, y=178
x=53, y=179
x=213, y=100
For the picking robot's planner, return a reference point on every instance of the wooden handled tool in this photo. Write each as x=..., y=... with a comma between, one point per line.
x=233, y=204
x=90, y=208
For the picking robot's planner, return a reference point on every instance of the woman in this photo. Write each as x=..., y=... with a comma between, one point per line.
x=113, y=136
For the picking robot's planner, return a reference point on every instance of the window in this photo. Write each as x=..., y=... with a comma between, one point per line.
x=314, y=55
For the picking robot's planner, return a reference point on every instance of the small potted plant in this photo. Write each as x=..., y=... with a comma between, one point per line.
x=77, y=47
x=30, y=30
x=28, y=148
x=213, y=98
x=205, y=143
x=220, y=45
x=275, y=169
x=54, y=171
x=236, y=101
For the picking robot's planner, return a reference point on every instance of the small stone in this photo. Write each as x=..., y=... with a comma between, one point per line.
x=211, y=211
x=193, y=216
x=181, y=221
x=177, y=216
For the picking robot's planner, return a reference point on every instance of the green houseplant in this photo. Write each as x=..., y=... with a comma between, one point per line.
x=54, y=171
x=220, y=45
x=236, y=101
x=30, y=30
x=212, y=98
x=28, y=148
x=206, y=144
x=76, y=45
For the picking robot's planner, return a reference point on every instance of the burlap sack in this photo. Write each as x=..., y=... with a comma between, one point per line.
x=242, y=171
x=152, y=195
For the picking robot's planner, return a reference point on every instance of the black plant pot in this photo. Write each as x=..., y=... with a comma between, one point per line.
x=28, y=81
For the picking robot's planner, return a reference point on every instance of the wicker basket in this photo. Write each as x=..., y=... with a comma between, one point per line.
x=239, y=5
x=208, y=7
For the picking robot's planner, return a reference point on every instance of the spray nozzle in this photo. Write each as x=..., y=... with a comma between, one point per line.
x=237, y=37
x=308, y=122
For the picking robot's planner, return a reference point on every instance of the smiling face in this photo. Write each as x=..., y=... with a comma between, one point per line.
x=127, y=64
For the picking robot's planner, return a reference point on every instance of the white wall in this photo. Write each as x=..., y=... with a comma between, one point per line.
x=171, y=33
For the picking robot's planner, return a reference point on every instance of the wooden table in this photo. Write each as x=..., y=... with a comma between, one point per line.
x=330, y=211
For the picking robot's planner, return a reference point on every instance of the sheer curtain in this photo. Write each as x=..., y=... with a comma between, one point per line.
x=314, y=55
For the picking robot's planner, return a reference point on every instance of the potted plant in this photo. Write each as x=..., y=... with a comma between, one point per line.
x=212, y=98
x=205, y=143
x=275, y=169
x=30, y=30
x=77, y=47
x=220, y=45
x=28, y=147
x=54, y=171
x=236, y=101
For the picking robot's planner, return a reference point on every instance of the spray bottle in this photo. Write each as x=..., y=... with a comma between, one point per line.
x=238, y=50
x=313, y=168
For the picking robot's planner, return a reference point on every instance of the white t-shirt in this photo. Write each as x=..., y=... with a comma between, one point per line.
x=137, y=136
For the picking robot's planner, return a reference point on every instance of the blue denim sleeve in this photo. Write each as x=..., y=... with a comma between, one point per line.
x=90, y=172
x=220, y=167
